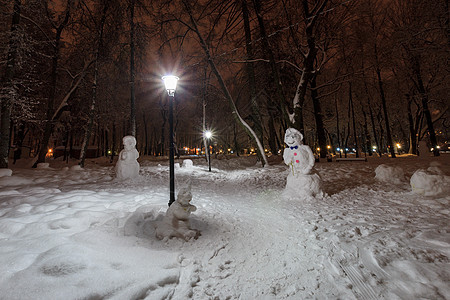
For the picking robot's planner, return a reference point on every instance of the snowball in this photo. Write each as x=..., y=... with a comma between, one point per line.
x=390, y=174
x=43, y=165
x=188, y=164
x=302, y=186
x=430, y=182
x=5, y=172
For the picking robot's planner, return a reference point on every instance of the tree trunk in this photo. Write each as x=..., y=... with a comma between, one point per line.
x=51, y=99
x=367, y=134
x=383, y=103
x=267, y=50
x=308, y=63
x=132, y=129
x=6, y=100
x=321, y=136
x=18, y=141
x=113, y=143
x=355, y=134
x=249, y=69
x=222, y=84
x=424, y=97
x=88, y=132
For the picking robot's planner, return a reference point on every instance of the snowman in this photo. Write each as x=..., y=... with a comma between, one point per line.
x=127, y=165
x=176, y=221
x=303, y=180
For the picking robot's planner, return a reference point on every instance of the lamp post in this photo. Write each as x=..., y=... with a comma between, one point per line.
x=170, y=83
x=208, y=135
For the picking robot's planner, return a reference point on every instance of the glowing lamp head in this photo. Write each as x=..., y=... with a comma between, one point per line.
x=170, y=82
x=208, y=134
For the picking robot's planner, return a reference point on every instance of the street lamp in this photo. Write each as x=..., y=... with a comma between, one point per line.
x=170, y=82
x=208, y=135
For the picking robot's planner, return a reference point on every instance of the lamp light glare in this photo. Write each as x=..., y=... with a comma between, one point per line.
x=170, y=82
x=208, y=134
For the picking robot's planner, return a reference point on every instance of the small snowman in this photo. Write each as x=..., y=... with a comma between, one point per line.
x=176, y=221
x=127, y=165
x=302, y=180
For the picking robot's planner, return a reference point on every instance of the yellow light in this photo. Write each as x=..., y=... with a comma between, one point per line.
x=329, y=147
x=318, y=149
x=50, y=150
x=399, y=146
x=439, y=147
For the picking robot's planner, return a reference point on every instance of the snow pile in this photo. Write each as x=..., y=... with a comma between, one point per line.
x=430, y=182
x=5, y=172
x=389, y=174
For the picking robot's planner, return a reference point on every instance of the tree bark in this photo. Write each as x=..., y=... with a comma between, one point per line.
x=355, y=134
x=132, y=129
x=320, y=128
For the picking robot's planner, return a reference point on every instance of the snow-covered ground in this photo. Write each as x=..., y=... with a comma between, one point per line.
x=70, y=233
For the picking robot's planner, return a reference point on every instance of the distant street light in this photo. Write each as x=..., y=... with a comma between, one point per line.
x=170, y=83
x=208, y=135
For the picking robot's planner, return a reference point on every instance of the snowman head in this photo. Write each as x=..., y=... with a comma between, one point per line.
x=129, y=142
x=293, y=137
x=184, y=196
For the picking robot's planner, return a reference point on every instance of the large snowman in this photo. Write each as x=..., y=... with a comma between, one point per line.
x=303, y=180
x=127, y=165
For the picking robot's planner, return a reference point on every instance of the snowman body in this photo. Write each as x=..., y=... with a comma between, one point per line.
x=176, y=221
x=302, y=180
x=127, y=165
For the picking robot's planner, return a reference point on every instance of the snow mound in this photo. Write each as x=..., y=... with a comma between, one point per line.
x=430, y=182
x=43, y=166
x=389, y=174
x=5, y=172
x=76, y=168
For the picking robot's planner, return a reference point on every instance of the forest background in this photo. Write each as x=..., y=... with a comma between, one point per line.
x=367, y=77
